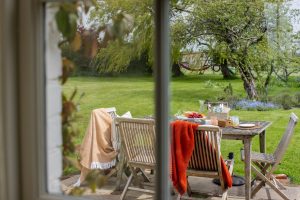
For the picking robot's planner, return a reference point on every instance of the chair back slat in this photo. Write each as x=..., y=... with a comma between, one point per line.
x=286, y=138
x=206, y=154
x=138, y=137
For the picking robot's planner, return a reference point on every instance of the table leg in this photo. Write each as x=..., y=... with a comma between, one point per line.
x=247, y=150
x=262, y=142
x=262, y=148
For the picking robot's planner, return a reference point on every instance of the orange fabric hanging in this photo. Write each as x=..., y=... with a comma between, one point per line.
x=226, y=175
x=182, y=147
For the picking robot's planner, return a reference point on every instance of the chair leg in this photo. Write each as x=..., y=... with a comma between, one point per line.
x=126, y=187
x=225, y=194
x=267, y=181
x=111, y=173
x=257, y=188
x=189, y=190
x=278, y=183
x=119, y=179
x=122, y=165
x=146, y=179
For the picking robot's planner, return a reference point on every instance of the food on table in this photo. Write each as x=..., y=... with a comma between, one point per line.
x=192, y=114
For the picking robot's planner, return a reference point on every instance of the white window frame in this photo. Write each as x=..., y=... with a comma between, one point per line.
x=23, y=103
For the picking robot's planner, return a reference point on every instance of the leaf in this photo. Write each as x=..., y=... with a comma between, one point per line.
x=62, y=20
x=66, y=20
x=68, y=67
x=76, y=42
x=93, y=187
x=100, y=181
x=77, y=191
x=70, y=7
x=73, y=94
x=72, y=26
x=73, y=161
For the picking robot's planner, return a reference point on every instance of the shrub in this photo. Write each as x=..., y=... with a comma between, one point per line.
x=297, y=80
x=285, y=100
x=255, y=105
x=297, y=98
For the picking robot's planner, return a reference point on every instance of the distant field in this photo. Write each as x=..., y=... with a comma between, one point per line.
x=135, y=94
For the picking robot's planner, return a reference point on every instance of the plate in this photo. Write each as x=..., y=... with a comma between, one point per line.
x=246, y=125
x=181, y=117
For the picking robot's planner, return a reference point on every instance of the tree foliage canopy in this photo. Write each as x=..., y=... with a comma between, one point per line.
x=245, y=35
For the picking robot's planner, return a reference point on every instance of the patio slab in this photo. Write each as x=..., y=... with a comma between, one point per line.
x=203, y=188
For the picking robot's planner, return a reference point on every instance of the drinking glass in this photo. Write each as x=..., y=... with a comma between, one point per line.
x=201, y=106
x=235, y=120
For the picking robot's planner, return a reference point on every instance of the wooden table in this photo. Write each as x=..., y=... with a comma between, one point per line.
x=246, y=136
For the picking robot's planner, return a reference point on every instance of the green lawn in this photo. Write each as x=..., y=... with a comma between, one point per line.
x=135, y=94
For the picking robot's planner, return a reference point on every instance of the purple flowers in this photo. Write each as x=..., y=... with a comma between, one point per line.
x=255, y=105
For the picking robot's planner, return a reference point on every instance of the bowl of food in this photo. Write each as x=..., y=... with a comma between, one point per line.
x=194, y=115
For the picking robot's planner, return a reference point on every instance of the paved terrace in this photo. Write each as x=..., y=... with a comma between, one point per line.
x=203, y=188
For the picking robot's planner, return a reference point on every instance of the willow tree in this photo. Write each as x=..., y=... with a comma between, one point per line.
x=139, y=40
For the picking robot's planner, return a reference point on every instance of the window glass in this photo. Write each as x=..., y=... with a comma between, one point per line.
x=231, y=62
x=99, y=58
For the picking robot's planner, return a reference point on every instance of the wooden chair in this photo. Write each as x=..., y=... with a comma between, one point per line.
x=205, y=160
x=138, y=142
x=263, y=165
x=116, y=140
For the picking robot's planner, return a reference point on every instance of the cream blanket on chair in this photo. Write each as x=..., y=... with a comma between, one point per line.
x=97, y=150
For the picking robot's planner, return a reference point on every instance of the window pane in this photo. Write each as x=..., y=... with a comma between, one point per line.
x=107, y=73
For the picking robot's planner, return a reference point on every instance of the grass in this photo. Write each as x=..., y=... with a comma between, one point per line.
x=136, y=94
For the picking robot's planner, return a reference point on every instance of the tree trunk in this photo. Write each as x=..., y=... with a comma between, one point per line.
x=249, y=83
x=227, y=73
x=176, y=70
x=268, y=79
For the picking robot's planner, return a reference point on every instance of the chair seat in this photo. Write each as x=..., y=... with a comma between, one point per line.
x=260, y=157
x=263, y=157
x=209, y=174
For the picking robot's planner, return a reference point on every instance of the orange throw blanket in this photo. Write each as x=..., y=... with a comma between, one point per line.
x=182, y=146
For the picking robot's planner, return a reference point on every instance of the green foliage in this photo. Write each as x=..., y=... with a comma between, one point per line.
x=281, y=39
x=66, y=19
x=232, y=33
x=228, y=96
x=69, y=122
x=297, y=98
x=211, y=84
x=228, y=89
x=135, y=35
x=110, y=60
x=240, y=32
x=96, y=178
x=285, y=100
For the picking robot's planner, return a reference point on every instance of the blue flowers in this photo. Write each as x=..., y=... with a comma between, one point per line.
x=254, y=105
